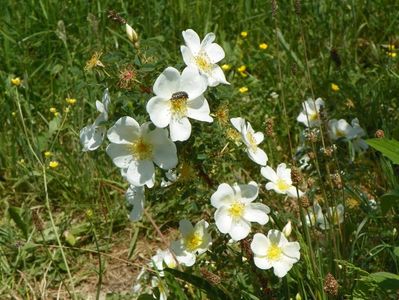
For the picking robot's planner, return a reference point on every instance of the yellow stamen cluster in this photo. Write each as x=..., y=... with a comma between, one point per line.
x=222, y=114
x=251, y=140
x=274, y=252
x=203, y=63
x=193, y=241
x=236, y=209
x=282, y=185
x=178, y=105
x=141, y=149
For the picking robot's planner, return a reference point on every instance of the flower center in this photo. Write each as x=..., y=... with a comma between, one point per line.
x=312, y=116
x=251, y=141
x=178, y=103
x=236, y=209
x=282, y=185
x=202, y=61
x=141, y=149
x=340, y=133
x=193, y=241
x=274, y=252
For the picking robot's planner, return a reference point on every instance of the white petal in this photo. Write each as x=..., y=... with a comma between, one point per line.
x=140, y=172
x=192, y=40
x=125, y=130
x=292, y=192
x=180, y=129
x=214, y=52
x=259, y=137
x=135, y=196
x=259, y=156
x=257, y=212
x=159, y=110
x=192, y=82
x=238, y=123
x=188, y=56
x=167, y=83
x=262, y=263
x=272, y=186
x=269, y=174
x=120, y=154
x=208, y=39
x=224, y=195
x=259, y=244
x=302, y=118
x=216, y=76
x=183, y=257
x=239, y=229
x=249, y=192
x=281, y=268
x=291, y=250
x=198, y=109
x=223, y=220
x=91, y=137
x=185, y=227
x=165, y=153
x=276, y=237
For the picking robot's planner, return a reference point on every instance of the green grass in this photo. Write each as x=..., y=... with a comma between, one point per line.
x=47, y=45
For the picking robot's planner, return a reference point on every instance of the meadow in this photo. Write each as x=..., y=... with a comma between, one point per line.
x=284, y=186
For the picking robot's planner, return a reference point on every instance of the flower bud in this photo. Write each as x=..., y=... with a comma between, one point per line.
x=131, y=34
x=287, y=229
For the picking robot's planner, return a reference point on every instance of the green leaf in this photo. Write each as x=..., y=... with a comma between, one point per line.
x=396, y=251
x=53, y=125
x=388, y=200
x=386, y=280
x=389, y=148
x=16, y=215
x=212, y=291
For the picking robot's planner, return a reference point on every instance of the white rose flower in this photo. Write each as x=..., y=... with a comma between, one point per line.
x=163, y=257
x=275, y=251
x=135, y=149
x=251, y=139
x=280, y=181
x=179, y=97
x=203, y=56
x=195, y=240
x=92, y=136
x=235, y=210
x=135, y=197
x=310, y=112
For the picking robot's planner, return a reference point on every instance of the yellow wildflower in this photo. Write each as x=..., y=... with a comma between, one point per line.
x=16, y=81
x=53, y=164
x=94, y=61
x=392, y=54
x=243, y=89
x=334, y=87
x=48, y=153
x=263, y=46
x=244, y=34
x=241, y=69
x=70, y=101
x=226, y=67
x=391, y=47
x=53, y=110
x=56, y=114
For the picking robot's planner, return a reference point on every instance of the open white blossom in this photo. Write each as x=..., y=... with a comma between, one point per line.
x=310, y=114
x=280, y=181
x=203, y=56
x=177, y=98
x=251, y=140
x=356, y=138
x=195, y=240
x=92, y=136
x=163, y=257
x=338, y=129
x=314, y=215
x=135, y=197
x=235, y=210
x=135, y=149
x=334, y=216
x=275, y=251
